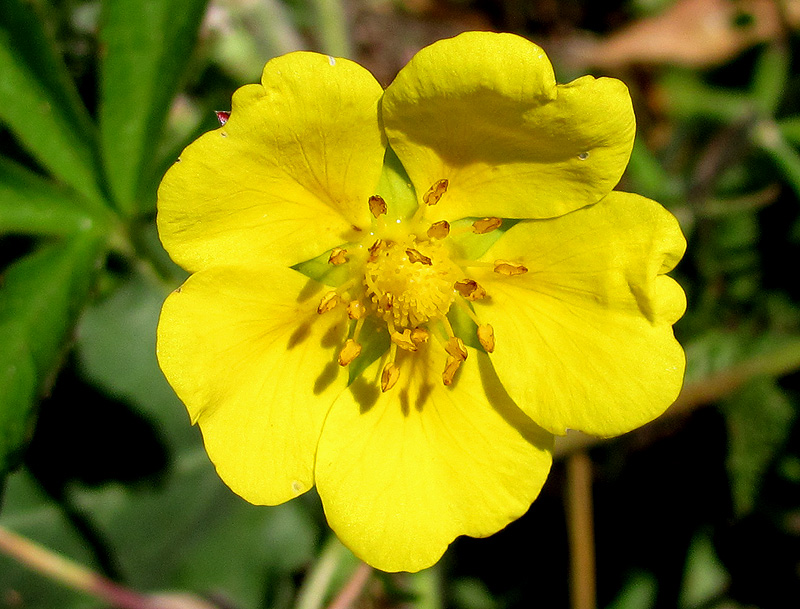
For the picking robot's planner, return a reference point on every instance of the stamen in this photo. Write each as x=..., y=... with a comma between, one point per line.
x=337, y=256
x=417, y=256
x=487, y=225
x=504, y=267
x=420, y=336
x=349, y=352
x=455, y=348
x=435, y=192
x=377, y=206
x=439, y=230
x=450, y=369
x=356, y=310
x=389, y=376
x=470, y=289
x=486, y=337
x=328, y=302
x=404, y=340
x=375, y=250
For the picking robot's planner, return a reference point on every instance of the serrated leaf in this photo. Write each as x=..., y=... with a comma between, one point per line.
x=39, y=103
x=147, y=44
x=758, y=418
x=40, y=297
x=33, y=205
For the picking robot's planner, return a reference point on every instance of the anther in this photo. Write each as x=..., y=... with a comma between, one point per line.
x=439, y=230
x=450, y=369
x=375, y=250
x=328, y=302
x=487, y=225
x=420, y=336
x=404, y=340
x=417, y=256
x=504, y=267
x=349, y=352
x=470, y=289
x=356, y=310
x=389, y=376
x=486, y=337
x=455, y=348
x=435, y=192
x=377, y=206
x=337, y=256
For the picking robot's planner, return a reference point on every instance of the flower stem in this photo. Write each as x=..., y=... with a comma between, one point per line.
x=316, y=585
x=71, y=574
x=353, y=588
x=580, y=525
x=332, y=28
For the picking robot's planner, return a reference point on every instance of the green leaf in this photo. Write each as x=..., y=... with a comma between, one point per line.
x=649, y=177
x=704, y=578
x=769, y=79
x=30, y=204
x=147, y=44
x=40, y=104
x=639, y=592
x=40, y=298
x=758, y=418
x=768, y=136
x=790, y=129
x=690, y=98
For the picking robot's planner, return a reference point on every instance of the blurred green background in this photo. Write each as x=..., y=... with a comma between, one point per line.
x=698, y=510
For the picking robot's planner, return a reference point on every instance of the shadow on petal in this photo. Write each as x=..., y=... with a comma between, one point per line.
x=506, y=408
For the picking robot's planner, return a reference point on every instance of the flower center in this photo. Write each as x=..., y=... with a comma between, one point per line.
x=408, y=284
x=409, y=281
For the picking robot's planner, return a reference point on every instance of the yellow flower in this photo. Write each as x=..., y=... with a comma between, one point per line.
x=399, y=296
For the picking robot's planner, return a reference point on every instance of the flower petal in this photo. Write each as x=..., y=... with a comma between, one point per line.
x=584, y=338
x=482, y=110
x=289, y=174
x=256, y=367
x=402, y=473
